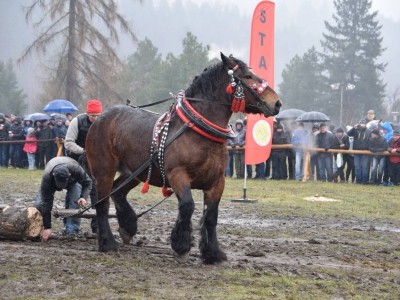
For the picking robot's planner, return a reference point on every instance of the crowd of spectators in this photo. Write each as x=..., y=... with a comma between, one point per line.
x=33, y=154
x=288, y=163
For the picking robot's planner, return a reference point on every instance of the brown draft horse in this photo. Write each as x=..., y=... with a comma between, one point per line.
x=120, y=140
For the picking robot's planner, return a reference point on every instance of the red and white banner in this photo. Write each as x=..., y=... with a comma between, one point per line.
x=259, y=129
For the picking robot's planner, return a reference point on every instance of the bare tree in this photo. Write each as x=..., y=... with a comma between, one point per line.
x=81, y=46
x=393, y=99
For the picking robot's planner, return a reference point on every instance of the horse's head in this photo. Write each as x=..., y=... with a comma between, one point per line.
x=258, y=96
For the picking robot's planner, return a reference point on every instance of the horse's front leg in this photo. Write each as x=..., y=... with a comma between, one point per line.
x=181, y=235
x=209, y=248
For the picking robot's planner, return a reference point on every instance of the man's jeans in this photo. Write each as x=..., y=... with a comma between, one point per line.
x=15, y=155
x=325, y=164
x=381, y=162
x=299, y=165
x=361, y=167
x=4, y=148
x=72, y=225
x=260, y=171
x=229, y=168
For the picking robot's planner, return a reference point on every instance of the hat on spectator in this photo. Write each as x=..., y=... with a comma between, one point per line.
x=372, y=125
x=300, y=124
x=396, y=132
x=58, y=120
x=94, y=107
x=376, y=131
x=371, y=112
x=322, y=124
x=61, y=175
x=362, y=121
x=316, y=125
x=339, y=129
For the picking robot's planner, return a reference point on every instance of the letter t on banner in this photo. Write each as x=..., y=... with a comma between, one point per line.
x=259, y=129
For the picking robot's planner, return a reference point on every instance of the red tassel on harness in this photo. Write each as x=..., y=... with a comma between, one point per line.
x=236, y=101
x=145, y=187
x=242, y=105
x=166, y=192
x=230, y=89
x=233, y=106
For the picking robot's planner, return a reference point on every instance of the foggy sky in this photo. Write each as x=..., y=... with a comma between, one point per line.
x=295, y=33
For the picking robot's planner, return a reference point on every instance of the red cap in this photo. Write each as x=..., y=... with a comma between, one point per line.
x=94, y=107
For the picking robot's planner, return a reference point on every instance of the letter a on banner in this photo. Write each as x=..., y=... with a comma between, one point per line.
x=259, y=129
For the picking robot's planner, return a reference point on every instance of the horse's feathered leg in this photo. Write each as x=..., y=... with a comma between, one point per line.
x=210, y=252
x=127, y=218
x=181, y=235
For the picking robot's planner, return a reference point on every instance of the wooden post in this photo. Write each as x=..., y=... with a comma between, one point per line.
x=20, y=223
x=90, y=214
x=60, y=143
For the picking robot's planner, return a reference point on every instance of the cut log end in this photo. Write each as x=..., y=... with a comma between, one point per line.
x=20, y=223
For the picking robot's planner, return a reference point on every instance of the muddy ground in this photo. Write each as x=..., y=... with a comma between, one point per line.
x=347, y=258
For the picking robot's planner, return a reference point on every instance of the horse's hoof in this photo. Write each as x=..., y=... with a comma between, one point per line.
x=183, y=258
x=107, y=247
x=126, y=237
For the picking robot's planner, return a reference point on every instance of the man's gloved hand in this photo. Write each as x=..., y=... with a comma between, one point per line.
x=241, y=144
x=233, y=145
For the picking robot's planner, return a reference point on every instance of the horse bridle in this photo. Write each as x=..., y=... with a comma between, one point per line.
x=255, y=88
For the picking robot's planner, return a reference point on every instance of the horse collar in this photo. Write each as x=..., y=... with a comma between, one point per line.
x=200, y=124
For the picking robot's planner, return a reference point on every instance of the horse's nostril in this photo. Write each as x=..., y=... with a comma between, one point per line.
x=278, y=104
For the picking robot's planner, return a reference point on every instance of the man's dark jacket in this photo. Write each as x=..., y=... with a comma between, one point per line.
x=361, y=137
x=48, y=187
x=45, y=133
x=378, y=144
x=323, y=140
x=17, y=129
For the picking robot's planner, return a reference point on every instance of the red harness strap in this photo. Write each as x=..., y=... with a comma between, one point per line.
x=196, y=128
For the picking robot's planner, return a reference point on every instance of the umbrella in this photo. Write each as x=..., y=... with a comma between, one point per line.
x=59, y=116
x=313, y=116
x=60, y=106
x=37, y=116
x=288, y=114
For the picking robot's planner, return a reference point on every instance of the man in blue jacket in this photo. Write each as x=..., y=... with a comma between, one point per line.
x=16, y=134
x=301, y=139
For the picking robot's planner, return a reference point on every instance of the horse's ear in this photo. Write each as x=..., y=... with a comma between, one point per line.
x=228, y=61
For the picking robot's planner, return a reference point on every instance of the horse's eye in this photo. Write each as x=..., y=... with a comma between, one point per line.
x=248, y=77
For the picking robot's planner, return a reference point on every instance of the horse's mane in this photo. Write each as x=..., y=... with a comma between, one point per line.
x=208, y=83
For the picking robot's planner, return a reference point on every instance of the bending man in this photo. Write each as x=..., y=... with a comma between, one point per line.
x=62, y=173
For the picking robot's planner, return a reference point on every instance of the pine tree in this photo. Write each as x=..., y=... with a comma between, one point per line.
x=351, y=48
x=301, y=82
x=12, y=99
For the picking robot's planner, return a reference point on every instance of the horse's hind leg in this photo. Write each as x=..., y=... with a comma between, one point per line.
x=127, y=218
x=209, y=248
x=181, y=235
x=105, y=237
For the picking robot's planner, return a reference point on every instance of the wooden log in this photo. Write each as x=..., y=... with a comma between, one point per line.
x=89, y=214
x=20, y=223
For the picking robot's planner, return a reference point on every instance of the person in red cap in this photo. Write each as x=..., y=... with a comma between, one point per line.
x=75, y=139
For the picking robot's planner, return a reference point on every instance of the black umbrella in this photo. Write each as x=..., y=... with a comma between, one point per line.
x=289, y=114
x=313, y=116
x=36, y=116
x=59, y=116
